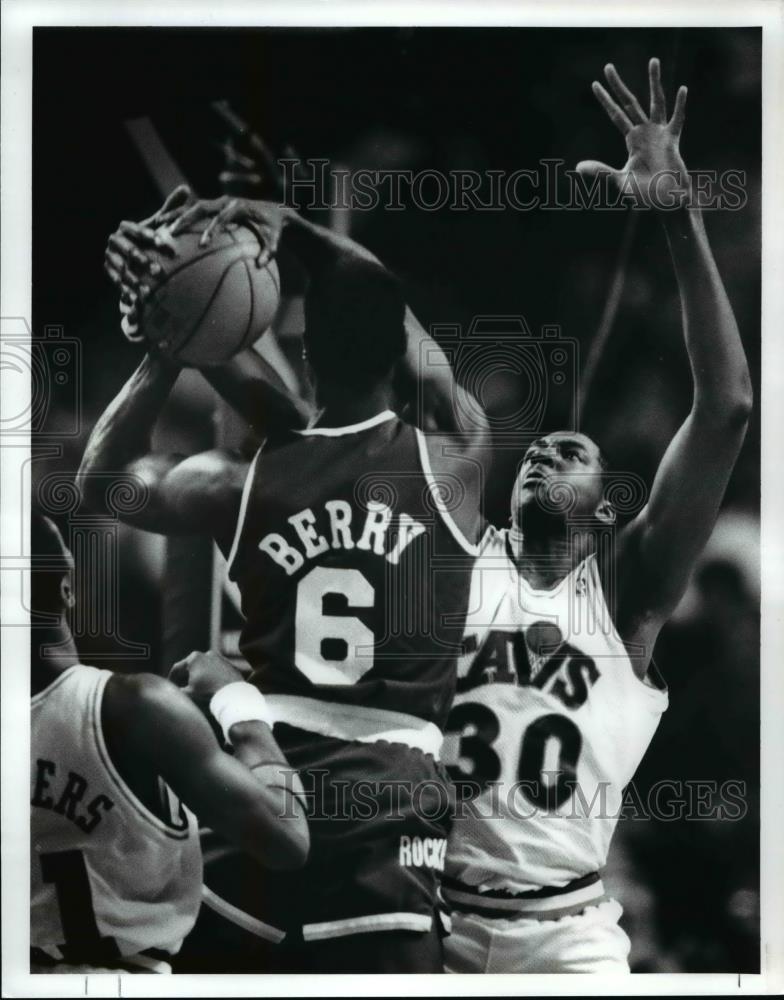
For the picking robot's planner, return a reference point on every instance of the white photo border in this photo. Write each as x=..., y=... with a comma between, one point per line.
x=18, y=19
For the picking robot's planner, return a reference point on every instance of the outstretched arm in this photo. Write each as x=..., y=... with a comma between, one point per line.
x=657, y=551
x=184, y=495
x=671, y=531
x=254, y=800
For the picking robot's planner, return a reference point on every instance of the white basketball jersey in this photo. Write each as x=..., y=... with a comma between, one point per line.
x=549, y=725
x=109, y=878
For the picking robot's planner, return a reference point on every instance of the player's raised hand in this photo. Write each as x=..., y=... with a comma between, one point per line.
x=201, y=675
x=654, y=172
x=133, y=250
x=266, y=218
x=127, y=258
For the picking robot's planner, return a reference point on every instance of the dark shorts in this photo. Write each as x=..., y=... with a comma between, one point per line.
x=379, y=816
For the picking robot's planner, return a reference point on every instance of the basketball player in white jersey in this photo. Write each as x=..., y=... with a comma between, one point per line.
x=116, y=868
x=559, y=700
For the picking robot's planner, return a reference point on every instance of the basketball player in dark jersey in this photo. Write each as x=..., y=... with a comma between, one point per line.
x=115, y=857
x=354, y=567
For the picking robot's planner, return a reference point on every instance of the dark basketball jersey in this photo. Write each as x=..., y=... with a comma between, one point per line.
x=353, y=575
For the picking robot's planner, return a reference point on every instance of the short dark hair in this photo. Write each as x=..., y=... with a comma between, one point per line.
x=50, y=561
x=354, y=323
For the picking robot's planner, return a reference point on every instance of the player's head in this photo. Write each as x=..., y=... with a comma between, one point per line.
x=561, y=477
x=52, y=566
x=354, y=327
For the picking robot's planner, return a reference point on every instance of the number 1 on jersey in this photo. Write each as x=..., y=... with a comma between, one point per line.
x=67, y=872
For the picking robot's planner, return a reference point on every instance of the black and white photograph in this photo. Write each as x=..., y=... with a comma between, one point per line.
x=383, y=435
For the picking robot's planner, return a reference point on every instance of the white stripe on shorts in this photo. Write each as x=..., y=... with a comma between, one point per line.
x=367, y=924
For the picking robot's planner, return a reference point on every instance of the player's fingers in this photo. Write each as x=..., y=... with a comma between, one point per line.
x=167, y=219
x=199, y=210
x=113, y=264
x=127, y=248
x=175, y=201
x=264, y=257
x=139, y=261
x=117, y=268
x=165, y=242
x=115, y=275
x=628, y=101
x=658, y=100
x=679, y=111
x=146, y=238
x=177, y=198
x=138, y=233
x=224, y=216
x=123, y=260
x=130, y=328
x=614, y=113
x=268, y=237
x=136, y=258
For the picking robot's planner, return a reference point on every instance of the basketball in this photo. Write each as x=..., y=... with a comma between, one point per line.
x=210, y=301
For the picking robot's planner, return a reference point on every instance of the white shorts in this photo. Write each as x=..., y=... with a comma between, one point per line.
x=590, y=941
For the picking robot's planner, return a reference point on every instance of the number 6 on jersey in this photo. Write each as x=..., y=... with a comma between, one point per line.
x=333, y=648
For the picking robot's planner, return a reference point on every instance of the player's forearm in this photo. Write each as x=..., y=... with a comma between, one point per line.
x=281, y=839
x=255, y=390
x=123, y=432
x=431, y=380
x=722, y=386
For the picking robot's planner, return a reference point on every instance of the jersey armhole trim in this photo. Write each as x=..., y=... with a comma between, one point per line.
x=103, y=752
x=36, y=698
x=243, y=511
x=363, y=425
x=655, y=685
x=486, y=537
x=470, y=547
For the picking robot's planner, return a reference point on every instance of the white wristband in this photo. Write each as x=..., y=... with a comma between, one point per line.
x=239, y=702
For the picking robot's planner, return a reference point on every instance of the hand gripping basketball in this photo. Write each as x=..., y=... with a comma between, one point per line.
x=266, y=218
x=196, y=292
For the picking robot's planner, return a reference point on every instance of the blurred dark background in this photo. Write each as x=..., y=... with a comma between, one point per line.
x=446, y=99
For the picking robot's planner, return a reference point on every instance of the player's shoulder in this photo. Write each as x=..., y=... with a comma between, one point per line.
x=76, y=681
x=152, y=702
